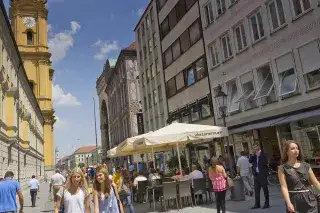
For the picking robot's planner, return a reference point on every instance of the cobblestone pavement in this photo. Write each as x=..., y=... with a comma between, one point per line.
x=276, y=201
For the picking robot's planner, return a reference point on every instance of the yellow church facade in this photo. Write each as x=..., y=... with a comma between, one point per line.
x=29, y=20
x=21, y=119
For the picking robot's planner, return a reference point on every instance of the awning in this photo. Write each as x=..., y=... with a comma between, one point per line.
x=276, y=121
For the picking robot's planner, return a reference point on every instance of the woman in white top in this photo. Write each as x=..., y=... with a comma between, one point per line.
x=74, y=196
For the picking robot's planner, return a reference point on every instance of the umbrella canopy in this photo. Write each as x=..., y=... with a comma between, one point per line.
x=179, y=133
x=127, y=145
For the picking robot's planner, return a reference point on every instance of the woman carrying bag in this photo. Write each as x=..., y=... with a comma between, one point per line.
x=125, y=190
x=296, y=179
x=105, y=194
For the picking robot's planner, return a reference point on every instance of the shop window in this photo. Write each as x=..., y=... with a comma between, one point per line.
x=214, y=54
x=190, y=76
x=226, y=47
x=309, y=57
x=171, y=87
x=185, y=41
x=205, y=108
x=267, y=88
x=300, y=6
x=201, y=71
x=29, y=38
x=194, y=113
x=208, y=13
x=257, y=29
x=176, y=51
x=240, y=37
x=150, y=100
x=172, y=18
x=168, y=57
x=276, y=13
x=287, y=76
x=221, y=6
x=195, y=32
x=180, y=81
x=155, y=96
x=248, y=91
x=233, y=105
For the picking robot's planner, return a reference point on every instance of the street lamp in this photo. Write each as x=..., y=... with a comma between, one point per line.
x=221, y=99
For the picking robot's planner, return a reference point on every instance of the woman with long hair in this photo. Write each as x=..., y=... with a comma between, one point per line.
x=125, y=189
x=74, y=196
x=105, y=194
x=218, y=177
x=296, y=178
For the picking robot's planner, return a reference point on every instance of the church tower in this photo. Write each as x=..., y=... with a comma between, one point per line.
x=29, y=20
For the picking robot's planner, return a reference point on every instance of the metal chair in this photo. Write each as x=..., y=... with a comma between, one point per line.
x=142, y=190
x=199, y=188
x=209, y=189
x=185, y=192
x=169, y=194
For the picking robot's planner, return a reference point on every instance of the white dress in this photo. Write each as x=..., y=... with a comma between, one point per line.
x=73, y=203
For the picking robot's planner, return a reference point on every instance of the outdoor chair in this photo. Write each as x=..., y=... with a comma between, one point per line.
x=142, y=191
x=169, y=194
x=209, y=189
x=185, y=192
x=199, y=189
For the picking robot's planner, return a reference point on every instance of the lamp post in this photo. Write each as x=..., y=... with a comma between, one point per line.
x=221, y=99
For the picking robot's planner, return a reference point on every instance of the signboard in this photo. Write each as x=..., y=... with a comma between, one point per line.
x=140, y=123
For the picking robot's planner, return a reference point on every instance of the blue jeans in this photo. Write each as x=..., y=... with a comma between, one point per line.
x=126, y=200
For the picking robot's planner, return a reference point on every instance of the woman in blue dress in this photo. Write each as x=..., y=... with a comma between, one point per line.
x=105, y=194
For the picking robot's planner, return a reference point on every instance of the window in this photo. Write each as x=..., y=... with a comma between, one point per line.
x=208, y=13
x=181, y=9
x=221, y=6
x=152, y=71
x=287, y=76
x=142, y=29
x=161, y=3
x=309, y=57
x=205, y=108
x=165, y=29
x=151, y=14
x=148, y=75
x=266, y=89
x=176, y=51
x=194, y=113
x=201, y=71
x=150, y=45
x=185, y=41
x=189, y=3
x=145, y=103
x=145, y=51
x=171, y=87
x=226, y=47
x=142, y=80
x=300, y=6
x=155, y=96
x=157, y=66
x=190, y=76
x=213, y=51
x=141, y=58
x=233, y=105
x=154, y=40
x=160, y=93
x=257, y=26
x=275, y=8
x=29, y=38
x=172, y=18
x=248, y=91
x=240, y=34
x=167, y=57
x=195, y=33
x=180, y=81
x=147, y=22
x=149, y=100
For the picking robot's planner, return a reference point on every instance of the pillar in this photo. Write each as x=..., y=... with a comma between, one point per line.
x=10, y=113
x=48, y=143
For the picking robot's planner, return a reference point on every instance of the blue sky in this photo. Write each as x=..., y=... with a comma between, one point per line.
x=82, y=35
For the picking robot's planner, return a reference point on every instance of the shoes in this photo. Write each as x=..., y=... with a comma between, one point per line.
x=266, y=206
x=255, y=207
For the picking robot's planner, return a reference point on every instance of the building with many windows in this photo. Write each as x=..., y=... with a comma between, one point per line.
x=82, y=157
x=265, y=54
x=21, y=120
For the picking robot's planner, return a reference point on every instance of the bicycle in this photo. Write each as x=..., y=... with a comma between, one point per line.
x=273, y=178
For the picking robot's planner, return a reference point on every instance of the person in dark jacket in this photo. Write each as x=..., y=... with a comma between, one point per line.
x=260, y=172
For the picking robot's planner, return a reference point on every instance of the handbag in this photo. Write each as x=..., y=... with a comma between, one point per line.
x=118, y=201
x=124, y=190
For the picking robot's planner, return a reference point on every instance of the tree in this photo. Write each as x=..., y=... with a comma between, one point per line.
x=81, y=165
x=173, y=163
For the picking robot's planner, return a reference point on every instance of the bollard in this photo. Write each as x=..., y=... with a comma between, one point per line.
x=237, y=192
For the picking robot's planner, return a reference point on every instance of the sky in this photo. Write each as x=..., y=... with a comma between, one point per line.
x=82, y=34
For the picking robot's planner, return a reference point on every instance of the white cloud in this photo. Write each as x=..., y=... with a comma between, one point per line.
x=59, y=124
x=140, y=12
x=105, y=47
x=61, y=42
x=60, y=98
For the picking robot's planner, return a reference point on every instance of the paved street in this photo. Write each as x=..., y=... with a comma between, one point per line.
x=43, y=205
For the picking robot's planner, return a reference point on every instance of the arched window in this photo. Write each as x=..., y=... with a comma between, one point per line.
x=29, y=38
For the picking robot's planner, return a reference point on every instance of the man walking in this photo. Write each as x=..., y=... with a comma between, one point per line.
x=260, y=171
x=9, y=189
x=57, y=181
x=34, y=188
x=244, y=171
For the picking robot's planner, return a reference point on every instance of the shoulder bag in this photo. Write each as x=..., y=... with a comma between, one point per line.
x=118, y=201
x=124, y=191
